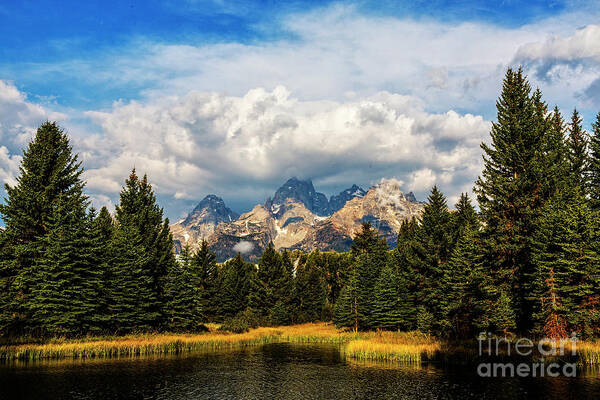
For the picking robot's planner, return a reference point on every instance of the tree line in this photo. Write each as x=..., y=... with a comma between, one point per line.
x=526, y=262
x=69, y=270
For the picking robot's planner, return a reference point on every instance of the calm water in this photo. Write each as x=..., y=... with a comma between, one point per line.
x=275, y=371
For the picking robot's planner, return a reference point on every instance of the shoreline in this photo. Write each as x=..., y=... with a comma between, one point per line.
x=400, y=347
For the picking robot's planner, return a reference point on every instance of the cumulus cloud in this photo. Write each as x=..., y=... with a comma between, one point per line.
x=337, y=52
x=350, y=99
x=570, y=62
x=19, y=118
x=9, y=166
x=239, y=146
x=243, y=247
x=583, y=44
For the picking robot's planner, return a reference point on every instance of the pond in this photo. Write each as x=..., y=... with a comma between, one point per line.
x=273, y=371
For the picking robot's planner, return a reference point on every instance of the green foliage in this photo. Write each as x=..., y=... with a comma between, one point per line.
x=345, y=311
x=184, y=308
x=356, y=302
x=425, y=320
x=241, y=322
x=567, y=280
x=594, y=165
x=205, y=276
x=463, y=288
x=140, y=224
x=266, y=289
x=132, y=302
x=464, y=218
x=511, y=192
x=64, y=289
x=577, y=153
x=237, y=278
x=48, y=192
x=310, y=293
x=391, y=302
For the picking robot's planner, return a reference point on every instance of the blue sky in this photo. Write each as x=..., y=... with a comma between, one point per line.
x=233, y=97
x=36, y=36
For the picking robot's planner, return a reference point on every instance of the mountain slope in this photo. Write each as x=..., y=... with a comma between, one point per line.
x=293, y=219
x=299, y=191
x=202, y=221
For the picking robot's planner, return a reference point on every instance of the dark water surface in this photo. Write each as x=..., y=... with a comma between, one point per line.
x=274, y=371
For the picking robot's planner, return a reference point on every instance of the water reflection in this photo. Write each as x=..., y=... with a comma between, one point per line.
x=279, y=371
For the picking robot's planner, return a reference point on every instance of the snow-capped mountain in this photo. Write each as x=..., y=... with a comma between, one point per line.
x=297, y=217
x=202, y=221
x=338, y=201
x=299, y=191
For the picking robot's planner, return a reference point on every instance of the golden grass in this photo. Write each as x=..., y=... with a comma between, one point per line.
x=404, y=347
x=363, y=345
x=588, y=352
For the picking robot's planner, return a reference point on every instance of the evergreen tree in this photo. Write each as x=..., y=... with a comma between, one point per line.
x=265, y=287
x=184, y=310
x=510, y=192
x=392, y=304
x=368, y=241
x=345, y=312
x=285, y=286
x=435, y=237
x=50, y=179
x=465, y=216
x=594, y=165
x=577, y=145
x=555, y=157
x=408, y=259
x=371, y=255
x=205, y=275
x=310, y=294
x=138, y=216
x=101, y=232
x=463, y=302
x=567, y=279
x=235, y=287
x=8, y=273
x=133, y=304
x=63, y=297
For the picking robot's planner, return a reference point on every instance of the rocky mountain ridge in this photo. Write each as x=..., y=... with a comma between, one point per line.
x=297, y=217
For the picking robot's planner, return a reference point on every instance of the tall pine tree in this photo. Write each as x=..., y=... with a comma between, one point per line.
x=206, y=277
x=49, y=180
x=594, y=165
x=510, y=195
x=577, y=155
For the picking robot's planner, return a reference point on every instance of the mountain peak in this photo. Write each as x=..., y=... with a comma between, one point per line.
x=338, y=201
x=211, y=209
x=302, y=191
x=388, y=193
x=411, y=197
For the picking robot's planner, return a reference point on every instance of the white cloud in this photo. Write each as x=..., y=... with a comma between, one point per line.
x=243, y=247
x=584, y=43
x=336, y=52
x=208, y=142
x=20, y=118
x=350, y=99
x=18, y=121
x=423, y=179
x=568, y=63
x=9, y=166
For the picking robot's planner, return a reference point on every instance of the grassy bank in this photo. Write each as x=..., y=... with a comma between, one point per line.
x=406, y=347
x=364, y=345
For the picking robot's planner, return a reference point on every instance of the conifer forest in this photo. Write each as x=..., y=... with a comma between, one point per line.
x=522, y=257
